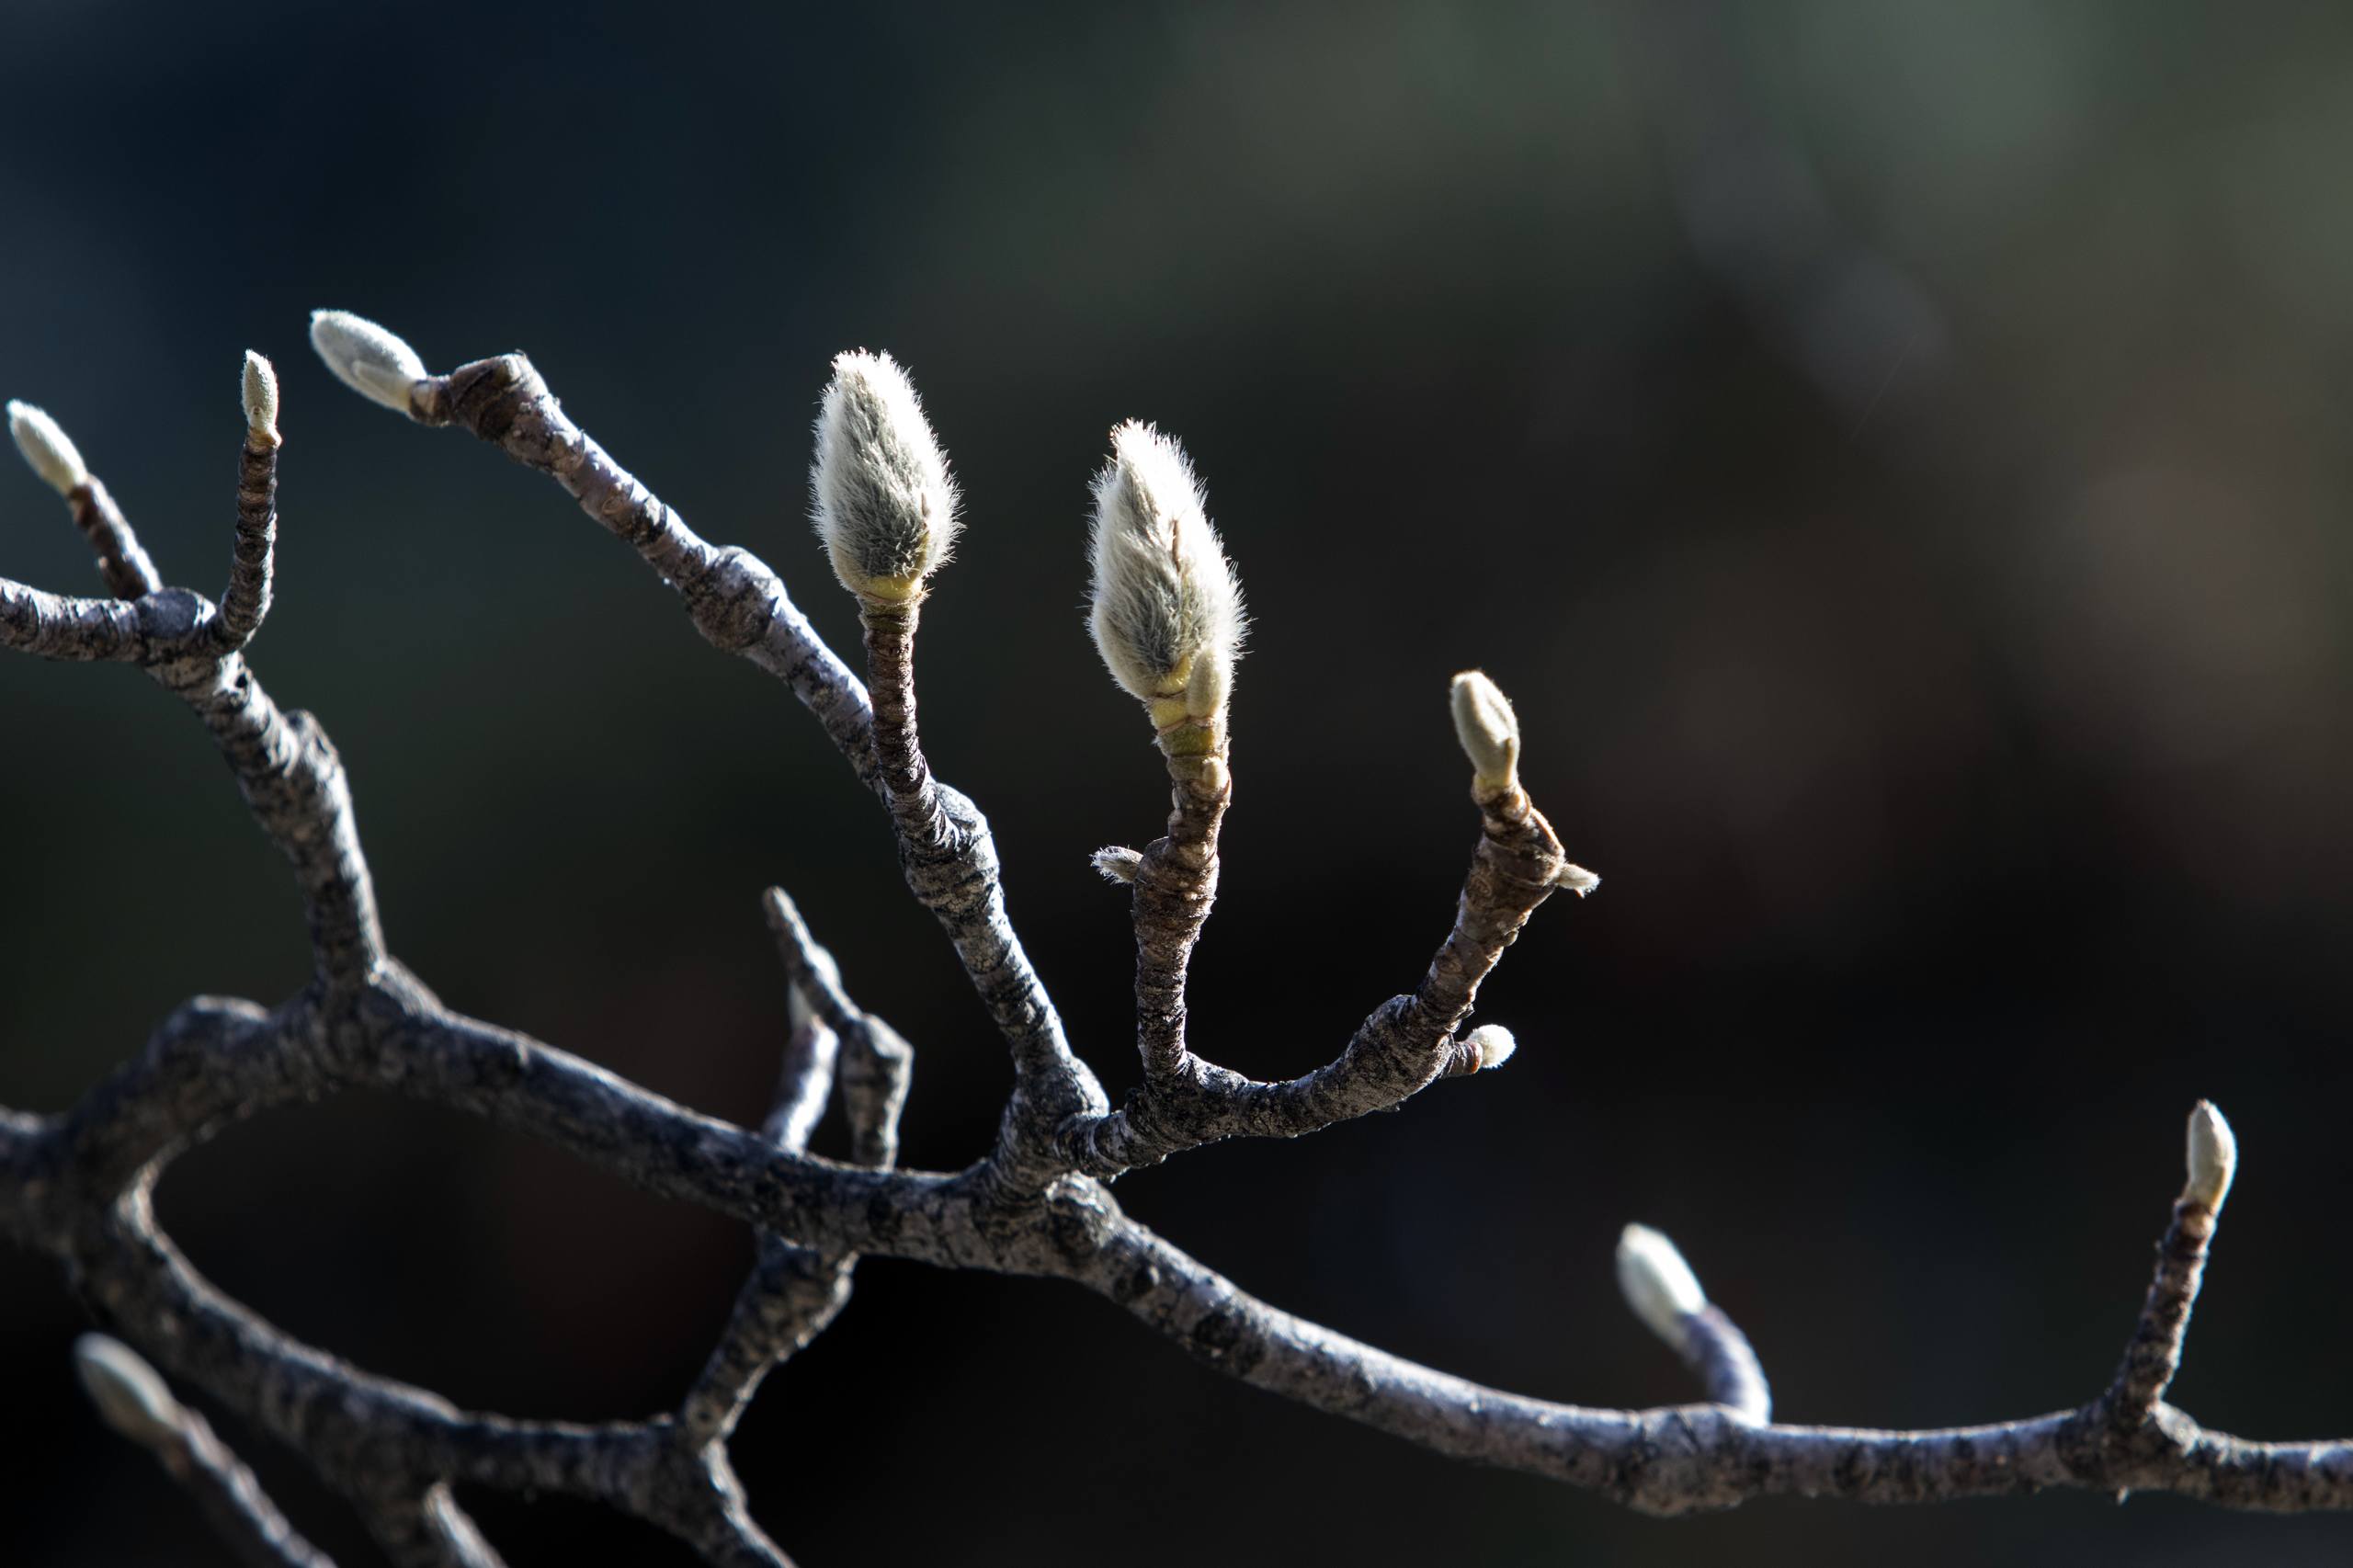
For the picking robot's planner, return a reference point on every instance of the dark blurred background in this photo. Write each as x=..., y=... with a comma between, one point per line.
x=1894, y=454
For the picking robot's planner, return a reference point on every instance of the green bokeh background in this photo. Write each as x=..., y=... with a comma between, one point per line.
x=1894, y=454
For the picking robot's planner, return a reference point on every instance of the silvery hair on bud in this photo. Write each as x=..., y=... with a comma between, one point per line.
x=1167, y=612
x=377, y=364
x=882, y=500
x=48, y=448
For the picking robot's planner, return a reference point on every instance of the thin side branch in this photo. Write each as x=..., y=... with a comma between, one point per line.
x=1409, y=1041
x=253, y=560
x=134, y=1400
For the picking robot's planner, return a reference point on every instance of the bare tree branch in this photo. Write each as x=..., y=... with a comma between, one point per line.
x=78, y=1185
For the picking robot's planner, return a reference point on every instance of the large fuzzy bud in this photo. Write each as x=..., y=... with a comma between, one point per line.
x=884, y=503
x=1167, y=612
x=48, y=448
x=373, y=361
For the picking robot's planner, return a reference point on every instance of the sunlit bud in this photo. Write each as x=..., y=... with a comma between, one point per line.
x=1116, y=863
x=371, y=361
x=261, y=399
x=131, y=1395
x=1493, y=1042
x=2213, y=1157
x=1167, y=611
x=884, y=505
x=1657, y=1283
x=53, y=455
x=1576, y=879
x=1489, y=730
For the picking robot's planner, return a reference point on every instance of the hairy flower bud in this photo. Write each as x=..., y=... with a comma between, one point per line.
x=1167, y=613
x=1657, y=1283
x=884, y=503
x=131, y=1395
x=2214, y=1157
x=378, y=365
x=50, y=452
x=1494, y=1043
x=1489, y=732
x=261, y=399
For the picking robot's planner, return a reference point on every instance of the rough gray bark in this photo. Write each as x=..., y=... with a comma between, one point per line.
x=77, y=1186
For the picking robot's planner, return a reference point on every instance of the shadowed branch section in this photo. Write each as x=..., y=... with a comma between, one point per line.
x=79, y=1186
x=795, y=1291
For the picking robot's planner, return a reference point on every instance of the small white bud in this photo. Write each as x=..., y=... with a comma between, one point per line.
x=1117, y=863
x=2214, y=1157
x=1657, y=1283
x=1495, y=1044
x=261, y=399
x=1167, y=613
x=1488, y=729
x=1576, y=879
x=884, y=505
x=378, y=365
x=50, y=452
x=131, y=1395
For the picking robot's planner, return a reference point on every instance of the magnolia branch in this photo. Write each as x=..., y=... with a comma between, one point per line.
x=1167, y=621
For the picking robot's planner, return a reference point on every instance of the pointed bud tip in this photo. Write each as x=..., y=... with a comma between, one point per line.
x=1488, y=729
x=47, y=447
x=1657, y=1284
x=1495, y=1044
x=260, y=391
x=882, y=500
x=2213, y=1157
x=372, y=360
x=130, y=1396
x=1165, y=608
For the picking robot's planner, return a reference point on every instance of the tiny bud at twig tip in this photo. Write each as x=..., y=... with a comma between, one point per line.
x=48, y=448
x=2214, y=1157
x=377, y=364
x=131, y=1395
x=1494, y=1043
x=1657, y=1284
x=883, y=501
x=261, y=399
x=1489, y=730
